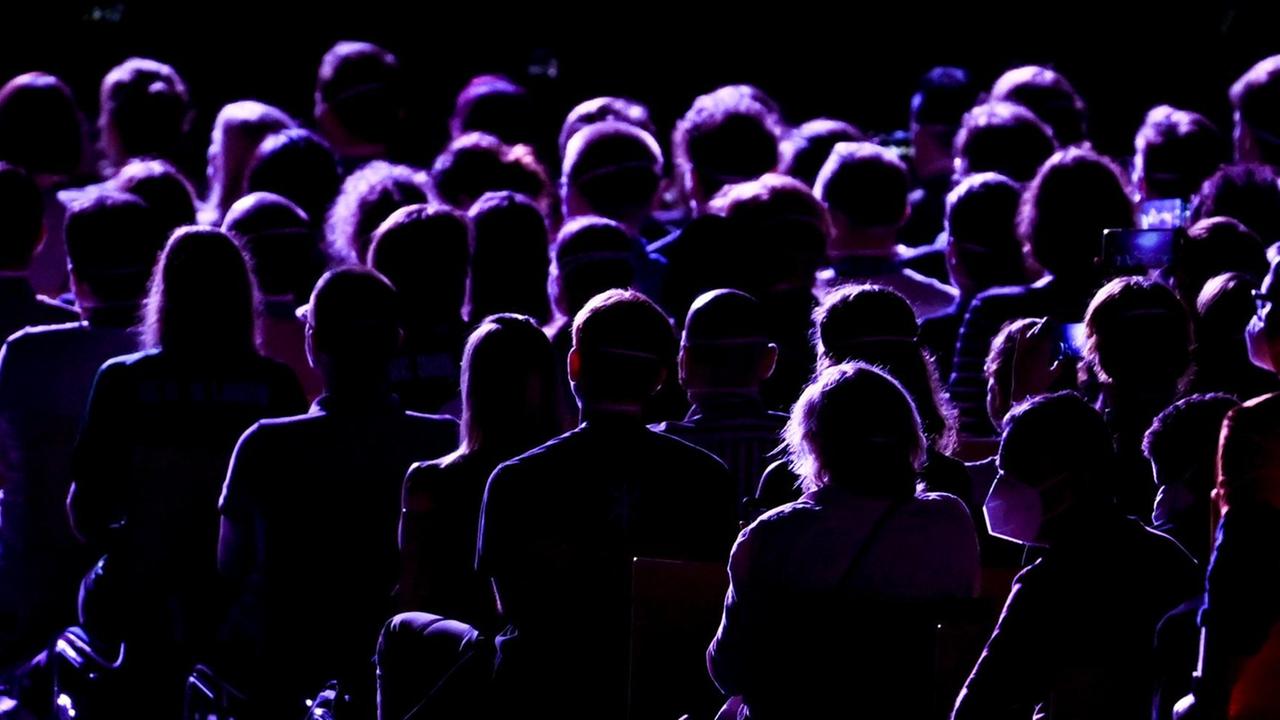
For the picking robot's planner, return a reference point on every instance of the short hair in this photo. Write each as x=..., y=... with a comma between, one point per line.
x=354, y=316
x=509, y=376
x=1074, y=197
x=361, y=85
x=998, y=367
x=1049, y=435
x=477, y=163
x=237, y=131
x=1214, y=246
x=726, y=136
x=1224, y=308
x=41, y=127
x=162, y=187
x=21, y=217
x=495, y=105
x=806, y=148
x=625, y=344
x=367, y=197
x=616, y=169
x=424, y=251
x=510, y=258
x=113, y=241
x=278, y=239
x=725, y=339
x=1255, y=99
x=202, y=298
x=855, y=426
x=982, y=230
x=592, y=255
x=605, y=109
x=1137, y=331
x=1248, y=193
x=942, y=98
x=865, y=184
x=1175, y=151
x=145, y=110
x=1049, y=95
x=299, y=165
x=1005, y=138
x=1184, y=436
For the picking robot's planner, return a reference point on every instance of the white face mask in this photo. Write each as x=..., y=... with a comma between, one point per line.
x=1255, y=337
x=1171, y=502
x=1014, y=511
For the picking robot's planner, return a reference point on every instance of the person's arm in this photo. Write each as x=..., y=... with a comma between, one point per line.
x=100, y=458
x=415, y=521
x=238, y=551
x=729, y=657
x=499, y=528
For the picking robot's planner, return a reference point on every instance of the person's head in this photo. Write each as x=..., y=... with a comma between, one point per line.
x=1214, y=246
x=21, y=218
x=1255, y=103
x=1263, y=332
x=876, y=325
x=283, y=250
x=509, y=376
x=622, y=347
x=865, y=187
x=1248, y=193
x=41, y=127
x=424, y=251
x=145, y=111
x=1182, y=446
x=983, y=249
x=509, y=258
x=113, y=240
x=591, y=255
x=353, y=329
x=160, y=186
x=806, y=148
x=1174, y=152
x=938, y=106
x=725, y=348
x=237, y=130
x=611, y=169
x=1223, y=310
x=296, y=164
x=604, y=109
x=1138, y=334
x=1046, y=93
x=727, y=136
x=1008, y=355
x=855, y=427
x=494, y=105
x=202, y=299
x=359, y=103
x=477, y=163
x=1074, y=197
x=367, y=197
x=1056, y=470
x=1002, y=137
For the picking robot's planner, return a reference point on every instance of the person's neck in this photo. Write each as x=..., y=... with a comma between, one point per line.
x=864, y=242
x=612, y=413
x=1144, y=399
x=361, y=390
x=702, y=398
x=111, y=315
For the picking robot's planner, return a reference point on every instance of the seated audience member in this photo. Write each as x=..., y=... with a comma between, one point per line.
x=476, y=163
x=805, y=149
x=613, y=170
x=1224, y=310
x=298, y=166
x=1247, y=193
x=368, y=197
x=1215, y=246
x=237, y=131
x=1056, y=647
x=510, y=258
x=360, y=106
x=848, y=559
x=1050, y=96
x=1255, y=97
x=494, y=105
x=941, y=99
x=144, y=111
x=1174, y=152
x=159, y=184
x=604, y=109
x=1003, y=138
x=317, y=497
x=21, y=231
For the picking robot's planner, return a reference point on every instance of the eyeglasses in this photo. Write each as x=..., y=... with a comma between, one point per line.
x=1262, y=302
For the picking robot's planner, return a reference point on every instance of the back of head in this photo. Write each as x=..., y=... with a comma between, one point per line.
x=623, y=344
x=1174, y=152
x=942, y=98
x=725, y=344
x=1074, y=197
x=494, y=105
x=1005, y=138
x=864, y=186
x=159, y=184
x=593, y=255
x=354, y=323
x=1248, y=193
x=276, y=235
x=41, y=127
x=611, y=169
x=778, y=232
x=1255, y=99
x=145, y=110
x=113, y=240
x=477, y=163
x=605, y=109
x=509, y=380
x=1060, y=444
x=1046, y=93
x=359, y=86
x=367, y=197
x=1182, y=442
x=299, y=165
x=1138, y=333
x=424, y=251
x=509, y=258
x=999, y=366
x=1223, y=308
x=237, y=131
x=982, y=231
x=855, y=427
x=807, y=147
x=21, y=218
x=202, y=300
x=1214, y=246
x=727, y=136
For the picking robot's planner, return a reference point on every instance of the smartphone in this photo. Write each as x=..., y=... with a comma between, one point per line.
x=1137, y=251
x=1072, y=340
x=1163, y=214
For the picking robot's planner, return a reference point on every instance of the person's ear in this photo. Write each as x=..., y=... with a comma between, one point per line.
x=682, y=365
x=310, y=344
x=575, y=365
x=768, y=362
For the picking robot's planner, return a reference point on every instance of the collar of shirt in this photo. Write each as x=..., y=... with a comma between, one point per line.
x=328, y=404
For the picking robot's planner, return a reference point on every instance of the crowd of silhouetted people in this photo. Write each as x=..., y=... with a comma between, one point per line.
x=983, y=423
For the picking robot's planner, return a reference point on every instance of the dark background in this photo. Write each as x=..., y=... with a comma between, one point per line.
x=853, y=61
